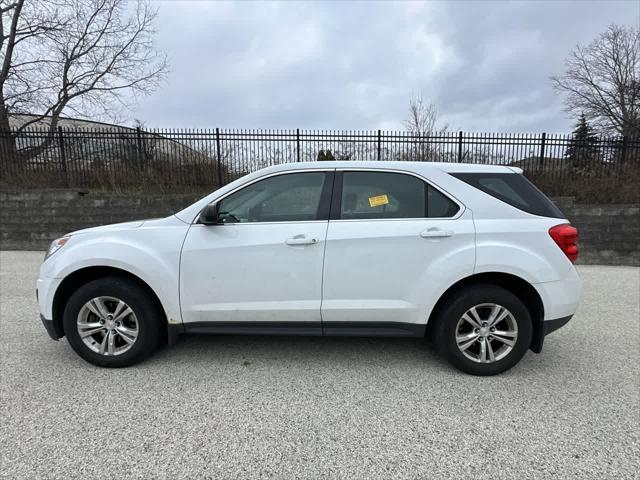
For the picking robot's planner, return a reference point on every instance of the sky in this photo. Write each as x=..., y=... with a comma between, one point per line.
x=356, y=65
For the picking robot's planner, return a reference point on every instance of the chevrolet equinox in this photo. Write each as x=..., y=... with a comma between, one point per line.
x=473, y=256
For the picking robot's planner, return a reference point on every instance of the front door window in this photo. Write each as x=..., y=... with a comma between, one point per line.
x=293, y=197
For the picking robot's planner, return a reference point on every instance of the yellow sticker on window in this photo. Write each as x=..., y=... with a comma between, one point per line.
x=378, y=200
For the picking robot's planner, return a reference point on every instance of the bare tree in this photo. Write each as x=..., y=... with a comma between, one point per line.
x=423, y=118
x=423, y=124
x=77, y=56
x=602, y=80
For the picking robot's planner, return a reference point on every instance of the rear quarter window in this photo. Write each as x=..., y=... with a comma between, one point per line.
x=514, y=189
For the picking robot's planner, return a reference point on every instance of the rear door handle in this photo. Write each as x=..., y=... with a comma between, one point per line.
x=436, y=233
x=301, y=240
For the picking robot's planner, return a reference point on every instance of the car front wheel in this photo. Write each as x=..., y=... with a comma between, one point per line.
x=112, y=322
x=484, y=330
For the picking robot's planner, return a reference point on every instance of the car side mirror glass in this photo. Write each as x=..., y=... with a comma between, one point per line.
x=209, y=215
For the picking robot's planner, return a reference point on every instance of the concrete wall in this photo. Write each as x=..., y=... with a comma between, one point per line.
x=609, y=234
x=30, y=220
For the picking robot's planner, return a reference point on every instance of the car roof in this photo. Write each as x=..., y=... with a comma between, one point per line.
x=395, y=165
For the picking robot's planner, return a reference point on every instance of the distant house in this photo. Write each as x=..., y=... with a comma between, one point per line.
x=91, y=142
x=17, y=120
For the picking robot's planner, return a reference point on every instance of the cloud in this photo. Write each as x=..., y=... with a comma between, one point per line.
x=354, y=65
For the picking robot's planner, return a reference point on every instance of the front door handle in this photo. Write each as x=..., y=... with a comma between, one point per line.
x=436, y=233
x=301, y=240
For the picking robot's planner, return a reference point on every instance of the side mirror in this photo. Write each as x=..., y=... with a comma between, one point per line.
x=209, y=215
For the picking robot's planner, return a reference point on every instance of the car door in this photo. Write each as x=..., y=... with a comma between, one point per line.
x=260, y=268
x=393, y=241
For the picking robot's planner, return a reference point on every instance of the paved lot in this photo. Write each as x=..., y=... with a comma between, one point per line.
x=240, y=407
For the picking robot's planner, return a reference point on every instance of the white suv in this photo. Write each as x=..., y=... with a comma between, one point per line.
x=473, y=256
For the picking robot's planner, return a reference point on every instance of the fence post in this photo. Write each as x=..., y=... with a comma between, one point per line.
x=219, y=156
x=623, y=153
x=379, y=145
x=543, y=143
x=460, y=147
x=63, y=155
x=139, y=142
x=298, y=144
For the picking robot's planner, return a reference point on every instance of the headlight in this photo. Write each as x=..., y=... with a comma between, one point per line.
x=56, y=245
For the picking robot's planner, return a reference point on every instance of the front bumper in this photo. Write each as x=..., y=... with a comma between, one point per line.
x=45, y=291
x=53, y=331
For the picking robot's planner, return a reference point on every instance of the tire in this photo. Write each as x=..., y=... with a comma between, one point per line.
x=104, y=296
x=486, y=299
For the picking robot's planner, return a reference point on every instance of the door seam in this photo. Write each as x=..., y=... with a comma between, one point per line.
x=324, y=249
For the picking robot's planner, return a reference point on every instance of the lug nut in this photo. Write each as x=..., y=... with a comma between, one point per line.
x=480, y=339
x=117, y=324
x=493, y=329
x=101, y=322
x=113, y=331
x=490, y=337
x=477, y=330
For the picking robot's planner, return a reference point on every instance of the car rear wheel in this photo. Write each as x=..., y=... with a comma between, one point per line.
x=484, y=330
x=112, y=322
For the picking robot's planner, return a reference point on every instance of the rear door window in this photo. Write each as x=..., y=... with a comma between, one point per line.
x=388, y=195
x=514, y=189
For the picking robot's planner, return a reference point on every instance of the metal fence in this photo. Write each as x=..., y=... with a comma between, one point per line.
x=186, y=160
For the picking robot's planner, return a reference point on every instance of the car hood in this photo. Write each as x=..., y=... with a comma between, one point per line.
x=112, y=227
x=119, y=227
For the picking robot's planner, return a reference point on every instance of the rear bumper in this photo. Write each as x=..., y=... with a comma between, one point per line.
x=548, y=326
x=560, y=298
x=553, y=325
x=51, y=329
x=560, y=301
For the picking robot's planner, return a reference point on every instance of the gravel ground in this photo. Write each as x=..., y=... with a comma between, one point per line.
x=247, y=407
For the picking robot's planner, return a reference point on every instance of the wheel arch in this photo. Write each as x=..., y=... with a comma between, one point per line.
x=517, y=285
x=79, y=277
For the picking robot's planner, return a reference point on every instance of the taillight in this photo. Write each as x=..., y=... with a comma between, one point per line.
x=566, y=237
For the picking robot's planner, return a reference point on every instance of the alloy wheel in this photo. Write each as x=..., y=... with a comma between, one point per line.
x=486, y=333
x=107, y=325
